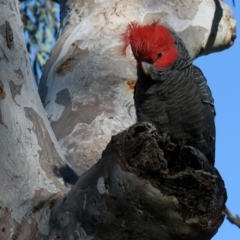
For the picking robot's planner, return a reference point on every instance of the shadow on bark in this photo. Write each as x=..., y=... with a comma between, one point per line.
x=143, y=187
x=67, y=174
x=218, y=14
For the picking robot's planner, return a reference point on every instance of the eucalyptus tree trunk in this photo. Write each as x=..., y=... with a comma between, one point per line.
x=87, y=91
x=31, y=164
x=87, y=85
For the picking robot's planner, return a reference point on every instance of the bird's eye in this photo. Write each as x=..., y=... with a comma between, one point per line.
x=159, y=55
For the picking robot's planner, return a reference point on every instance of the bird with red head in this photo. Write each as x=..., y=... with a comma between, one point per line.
x=170, y=91
x=151, y=43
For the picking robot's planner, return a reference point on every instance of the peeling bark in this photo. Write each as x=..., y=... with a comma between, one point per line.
x=86, y=86
x=143, y=188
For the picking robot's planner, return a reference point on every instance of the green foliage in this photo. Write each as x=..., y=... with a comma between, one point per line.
x=41, y=23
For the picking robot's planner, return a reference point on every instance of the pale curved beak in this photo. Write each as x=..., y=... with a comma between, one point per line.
x=146, y=66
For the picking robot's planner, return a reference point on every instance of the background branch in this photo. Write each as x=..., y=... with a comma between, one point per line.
x=232, y=219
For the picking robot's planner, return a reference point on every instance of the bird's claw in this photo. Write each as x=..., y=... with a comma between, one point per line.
x=165, y=138
x=167, y=144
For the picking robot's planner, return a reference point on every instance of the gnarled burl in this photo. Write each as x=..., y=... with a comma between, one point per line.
x=143, y=187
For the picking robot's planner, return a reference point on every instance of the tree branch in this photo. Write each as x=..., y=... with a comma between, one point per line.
x=143, y=188
x=232, y=219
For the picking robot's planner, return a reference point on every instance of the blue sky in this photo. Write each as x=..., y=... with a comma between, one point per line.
x=222, y=71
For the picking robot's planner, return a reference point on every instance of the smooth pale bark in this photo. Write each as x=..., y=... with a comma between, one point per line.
x=30, y=158
x=87, y=85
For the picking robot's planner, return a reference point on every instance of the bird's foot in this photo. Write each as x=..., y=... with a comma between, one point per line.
x=165, y=138
x=167, y=144
x=181, y=144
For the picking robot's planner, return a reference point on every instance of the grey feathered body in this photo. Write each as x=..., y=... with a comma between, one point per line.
x=178, y=102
